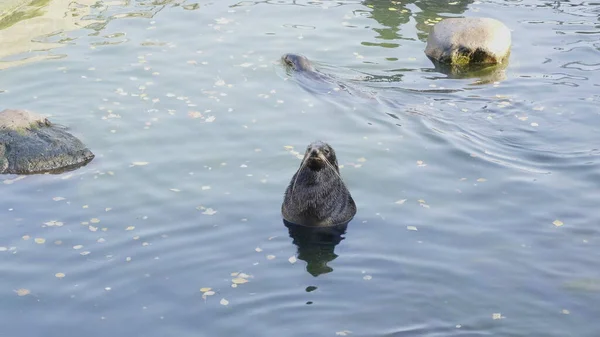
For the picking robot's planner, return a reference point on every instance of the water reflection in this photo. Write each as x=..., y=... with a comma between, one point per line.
x=316, y=245
x=54, y=20
x=484, y=74
x=393, y=14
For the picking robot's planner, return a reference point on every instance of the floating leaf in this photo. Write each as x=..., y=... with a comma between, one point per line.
x=367, y=277
x=557, y=223
x=481, y=180
x=130, y=228
x=53, y=223
x=209, y=211
x=565, y=311
x=39, y=240
x=139, y=163
x=497, y=316
x=195, y=114
x=224, y=302
x=22, y=292
x=205, y=289
x=270, y=257
x=207, y=293
x=58, y=198
x=239, y=280
x=92, y=228
x=292, y=259
x=94, y=220
x=76, y=247
x=59, y=275
x=258, y=249
x=401, y=201
x=411, y=228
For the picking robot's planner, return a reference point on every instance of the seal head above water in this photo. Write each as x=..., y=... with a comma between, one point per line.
x=297, y=62
x=302, y=70
x=316, y=194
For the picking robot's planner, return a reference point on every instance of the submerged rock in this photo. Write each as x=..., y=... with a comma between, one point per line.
x=29, y=144
x=466, y=41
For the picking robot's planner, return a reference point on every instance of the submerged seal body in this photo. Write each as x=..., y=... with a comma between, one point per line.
x=318, y=82
x=316, y=194
x=308, y=76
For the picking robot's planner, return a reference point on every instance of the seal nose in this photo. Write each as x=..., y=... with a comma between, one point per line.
x=314, y=152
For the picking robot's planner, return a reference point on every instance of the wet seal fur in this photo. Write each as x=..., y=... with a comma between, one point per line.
x=316, y=195
x=30, y=144
x=317, y=82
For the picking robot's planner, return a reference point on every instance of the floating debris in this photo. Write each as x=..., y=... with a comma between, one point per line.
x=22, y=292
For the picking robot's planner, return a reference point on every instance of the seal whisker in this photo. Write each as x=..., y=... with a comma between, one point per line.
x=330, y=166
x=302, y=165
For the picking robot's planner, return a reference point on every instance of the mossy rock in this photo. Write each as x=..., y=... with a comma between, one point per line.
x=30, y=144
x=469, y=41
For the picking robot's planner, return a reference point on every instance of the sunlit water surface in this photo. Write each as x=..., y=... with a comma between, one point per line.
x=477, y=197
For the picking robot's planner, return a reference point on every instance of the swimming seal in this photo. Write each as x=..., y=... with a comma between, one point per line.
x=318, y=82
x=316, y=194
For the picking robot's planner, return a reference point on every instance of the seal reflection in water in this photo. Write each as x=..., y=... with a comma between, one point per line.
x=316, y=245
x=316, y=195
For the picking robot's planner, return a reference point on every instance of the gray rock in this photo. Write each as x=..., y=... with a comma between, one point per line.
x=30, y=144
x=465, y=41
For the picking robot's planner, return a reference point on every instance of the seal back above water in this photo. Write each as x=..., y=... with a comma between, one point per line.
x=316, y=194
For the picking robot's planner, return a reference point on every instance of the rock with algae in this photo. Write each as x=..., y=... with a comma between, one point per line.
x=30, y=144
x=469, y=41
